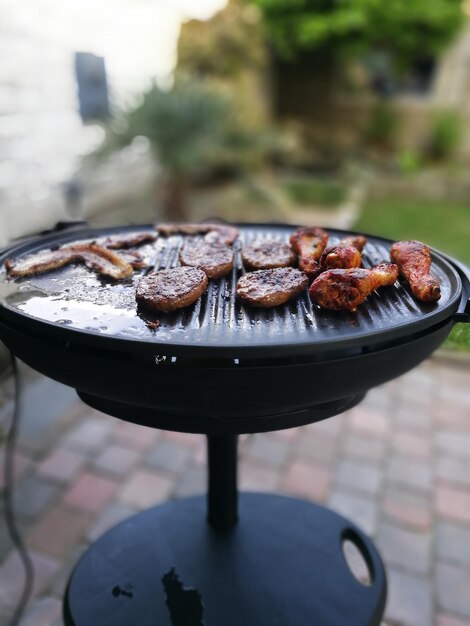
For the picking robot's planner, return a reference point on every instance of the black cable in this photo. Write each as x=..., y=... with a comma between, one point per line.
x=12, y=527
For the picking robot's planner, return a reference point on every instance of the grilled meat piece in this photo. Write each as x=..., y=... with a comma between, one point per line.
x=134, y=258
x=414, y=262
x=309, y=243
x=127, y=240
x=356, y=241
x=347, y=288
x=95, y=257
x=347, y=253
x=266, y=254
x=214, y=233
x=340, y=257
x=171, y=289
x=215, y=259
x=268, y=288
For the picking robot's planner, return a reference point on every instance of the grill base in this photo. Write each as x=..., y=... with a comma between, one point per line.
x=282, y=565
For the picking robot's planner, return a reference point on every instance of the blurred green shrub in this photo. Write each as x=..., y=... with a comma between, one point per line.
x=193, y=131
x=409, y=161
x=408, y=30
x=382, y=126
x=328, y=193
x=445, y=135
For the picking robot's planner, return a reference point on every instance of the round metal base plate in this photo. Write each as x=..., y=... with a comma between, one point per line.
x=282, y=565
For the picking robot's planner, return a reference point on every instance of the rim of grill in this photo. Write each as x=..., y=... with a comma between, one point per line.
x=74, y=305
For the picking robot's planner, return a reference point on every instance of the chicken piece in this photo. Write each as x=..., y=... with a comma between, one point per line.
x=414, y=262
x=346, y=254
x=215, y=259
x=268, y=288
x=95, y=257
x=266, y=254
x=172, y=289
x=340, y=257
x=345, y=289
x=309, y=244
x=356, y=241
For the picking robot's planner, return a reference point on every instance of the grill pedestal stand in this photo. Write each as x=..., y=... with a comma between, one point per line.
x=280, y=564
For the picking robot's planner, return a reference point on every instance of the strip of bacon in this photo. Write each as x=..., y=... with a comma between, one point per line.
x=95, y=257
x=127, y=240
x=215, y=233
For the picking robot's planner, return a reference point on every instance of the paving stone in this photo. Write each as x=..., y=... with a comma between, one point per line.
x=43, y=612
x=90, y=492
x=268, y=450
x=453, y=542
x=410, y=474
x=411, y=444
x=365, y=448
x=369, y=421
x=61, y=465
x=39, y=416
x=191, y=483
x=454, y=442
x=449, y=620
x=169, y=457
x=311, y=449
x=404, y=548
x=409, y=508
x=360, y=510
x=116, y=460
x=415, y=419
x=21, y=464
x=33, y=495
x=255, y=477
x=452, y=585
x=409, y=601
x=453, y=470
x=111, y=516
x=359, y=476
x=140, y=438
x=60, y=581
x=59, y=530
x=307, y=481
x=89, y=434
x=12, y=572
x=144, y=489
x=453, y=504
x=184, y=439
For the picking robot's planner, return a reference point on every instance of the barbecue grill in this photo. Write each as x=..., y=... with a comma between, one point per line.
x=222, y=369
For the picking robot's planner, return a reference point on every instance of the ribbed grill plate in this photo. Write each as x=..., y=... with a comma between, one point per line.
x=75, y=303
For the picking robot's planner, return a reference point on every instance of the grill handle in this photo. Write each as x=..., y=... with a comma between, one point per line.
x=463, y=312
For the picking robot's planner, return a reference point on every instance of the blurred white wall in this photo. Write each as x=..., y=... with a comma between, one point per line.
x=41, y=135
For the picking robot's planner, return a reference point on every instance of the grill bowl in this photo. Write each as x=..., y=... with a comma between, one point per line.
x=217, y=365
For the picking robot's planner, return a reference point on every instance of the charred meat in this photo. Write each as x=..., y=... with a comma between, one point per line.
x=122, y=241
x=266, y=254
x=102, y=260
x=347, y=288
x=214, y=233
x=414, y=262
x=215, y=259
x=171, y=289
x=309, y=243
x=268, y=288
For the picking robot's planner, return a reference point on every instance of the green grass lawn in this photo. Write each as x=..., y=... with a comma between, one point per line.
x=445, y=226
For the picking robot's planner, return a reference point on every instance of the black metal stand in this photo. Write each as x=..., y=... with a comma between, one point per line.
x=222, y=493
x=282, y=564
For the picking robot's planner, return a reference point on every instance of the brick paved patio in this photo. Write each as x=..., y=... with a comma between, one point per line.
x=398, y=465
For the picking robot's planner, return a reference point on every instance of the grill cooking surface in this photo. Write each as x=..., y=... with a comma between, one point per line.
x=80, y=306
